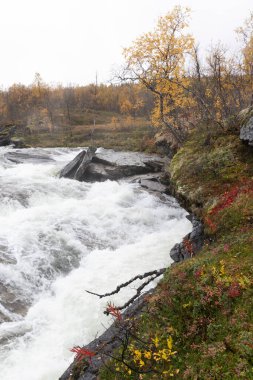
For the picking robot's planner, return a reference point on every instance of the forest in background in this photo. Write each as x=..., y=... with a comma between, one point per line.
x=165, y=83
x=114, y=115
x=42, y=106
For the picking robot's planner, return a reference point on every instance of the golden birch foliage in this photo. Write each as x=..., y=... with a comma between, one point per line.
x=125, y=106
x=158, y=60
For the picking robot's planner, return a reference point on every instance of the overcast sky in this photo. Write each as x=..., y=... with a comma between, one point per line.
x=67, y=41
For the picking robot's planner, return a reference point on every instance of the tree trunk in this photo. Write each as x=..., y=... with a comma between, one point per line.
x=179, y=139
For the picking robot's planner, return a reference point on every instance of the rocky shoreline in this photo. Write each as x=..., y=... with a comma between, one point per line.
x=190, y=245
x=11, y=134
x=110, y=339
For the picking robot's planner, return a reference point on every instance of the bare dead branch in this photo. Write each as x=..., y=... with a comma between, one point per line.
x=137, y=294
x=154, y=273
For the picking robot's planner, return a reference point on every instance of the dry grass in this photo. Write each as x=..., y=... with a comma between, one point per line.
x=119, y=133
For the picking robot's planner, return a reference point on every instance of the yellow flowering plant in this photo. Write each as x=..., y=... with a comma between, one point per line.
x=142, y=358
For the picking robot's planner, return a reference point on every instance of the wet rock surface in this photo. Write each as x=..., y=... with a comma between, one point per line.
x=6, y=134
x=191, y=244
x=14, y=135
x=91, y=167
x=20, y=157
x=246, y=132
x=109, y=341
x=153, y=184
x=18, y=142
x=76, y=168
x=11, y=307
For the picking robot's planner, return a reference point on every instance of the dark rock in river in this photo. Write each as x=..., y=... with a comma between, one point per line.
x=153, y=184
x=20, y=157
x=76, y=168
x=6, y=133
x=195, y=240
x=18, y=142
x=87, y=166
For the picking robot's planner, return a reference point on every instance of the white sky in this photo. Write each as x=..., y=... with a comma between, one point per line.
x=67, y=41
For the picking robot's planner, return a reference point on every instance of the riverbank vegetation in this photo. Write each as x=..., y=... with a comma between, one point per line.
x=203, y=306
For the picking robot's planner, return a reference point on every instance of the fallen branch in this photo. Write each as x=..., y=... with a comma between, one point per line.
x=154, y=274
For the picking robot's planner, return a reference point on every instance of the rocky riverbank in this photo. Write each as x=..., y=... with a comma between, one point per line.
x=111, y=339
x=13, y=135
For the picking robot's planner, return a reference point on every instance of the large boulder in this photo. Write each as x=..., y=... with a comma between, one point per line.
x=246, y=130
x=88, y=167
x=191, y=244
x=14, y=135
x=18, y=142
x=166, y=144
x=76, y=168
x=6, y=134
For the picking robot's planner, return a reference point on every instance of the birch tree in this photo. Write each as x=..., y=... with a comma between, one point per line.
x=158, y=60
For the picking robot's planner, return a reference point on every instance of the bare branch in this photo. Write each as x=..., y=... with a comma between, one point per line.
x=155, y=273
x=137, y=294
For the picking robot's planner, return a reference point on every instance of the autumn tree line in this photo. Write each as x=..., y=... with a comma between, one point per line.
x=41, y=106
x=165, y=78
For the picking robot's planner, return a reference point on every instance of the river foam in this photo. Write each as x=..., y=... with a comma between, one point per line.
x=59, y=237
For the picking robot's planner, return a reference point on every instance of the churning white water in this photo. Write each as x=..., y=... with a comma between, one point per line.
x=59, y=237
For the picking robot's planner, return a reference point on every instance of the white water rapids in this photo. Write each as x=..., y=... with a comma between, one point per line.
x=59, y=237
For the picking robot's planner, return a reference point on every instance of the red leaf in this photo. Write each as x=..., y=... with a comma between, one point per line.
x=112, y=310
x=82, y=353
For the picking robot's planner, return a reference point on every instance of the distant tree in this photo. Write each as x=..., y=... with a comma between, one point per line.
x=125, y=106
x=18, y=101
x=39, y=91
x=157, y=60
x=69, y=101
x=41, y=103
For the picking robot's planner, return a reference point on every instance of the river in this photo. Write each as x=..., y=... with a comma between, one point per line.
x=59, y=237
